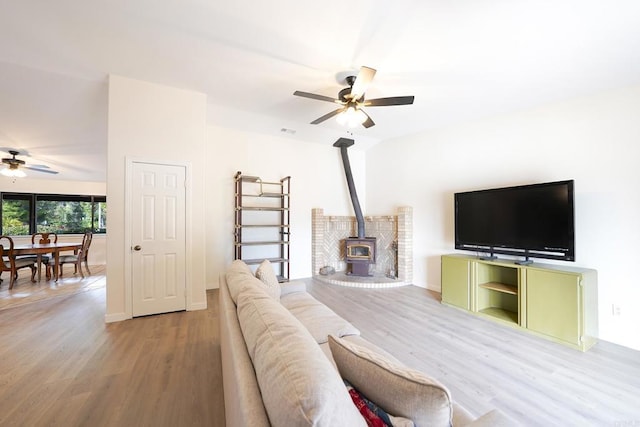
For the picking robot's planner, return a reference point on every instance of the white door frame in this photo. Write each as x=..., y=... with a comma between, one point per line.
x=128, y=245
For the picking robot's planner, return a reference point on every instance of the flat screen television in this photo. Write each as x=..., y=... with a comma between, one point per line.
x=532, y=221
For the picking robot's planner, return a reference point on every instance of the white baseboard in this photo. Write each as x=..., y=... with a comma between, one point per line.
x=197, y=306
x=116, y=317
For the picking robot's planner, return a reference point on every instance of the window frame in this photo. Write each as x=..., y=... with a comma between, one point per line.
x=33, y=199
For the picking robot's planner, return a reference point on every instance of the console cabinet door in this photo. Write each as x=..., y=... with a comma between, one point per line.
x=554, y=304
x=455, y=282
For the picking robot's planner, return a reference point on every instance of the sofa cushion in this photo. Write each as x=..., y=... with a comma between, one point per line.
x=319, y=319
x=291, y=287
x=267, y=276
x=239, y=277
x=298, y=384
x=396, y=388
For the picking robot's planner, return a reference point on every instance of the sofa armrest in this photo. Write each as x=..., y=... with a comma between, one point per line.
x=292, y=286
x=243, y=404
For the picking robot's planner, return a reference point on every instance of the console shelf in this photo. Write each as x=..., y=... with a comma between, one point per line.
x=501, y=314
x=500, y=287
x=553, y=301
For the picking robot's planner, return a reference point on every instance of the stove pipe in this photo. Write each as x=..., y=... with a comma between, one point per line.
x=343, y=144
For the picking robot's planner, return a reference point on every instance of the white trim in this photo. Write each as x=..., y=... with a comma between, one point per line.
x=188, y=226
x=128, y=287
x=197, y=306
x=116, y=317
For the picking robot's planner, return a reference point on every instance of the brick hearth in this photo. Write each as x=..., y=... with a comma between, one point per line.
x=329, y=233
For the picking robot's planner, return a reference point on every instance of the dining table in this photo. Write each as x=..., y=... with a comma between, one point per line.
x=40, y=249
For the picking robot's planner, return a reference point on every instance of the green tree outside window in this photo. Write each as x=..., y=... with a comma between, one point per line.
x=53, y=213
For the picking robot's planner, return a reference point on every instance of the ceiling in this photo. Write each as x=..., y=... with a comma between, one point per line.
x=462, y=59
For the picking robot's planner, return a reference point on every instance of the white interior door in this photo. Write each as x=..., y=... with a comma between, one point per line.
x=158, y=238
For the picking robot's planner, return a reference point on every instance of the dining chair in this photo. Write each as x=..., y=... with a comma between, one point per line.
x=11, y=264
x=77, y=259
x=43, y=239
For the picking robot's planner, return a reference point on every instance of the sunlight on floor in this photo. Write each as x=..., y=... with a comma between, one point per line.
x=25, y=292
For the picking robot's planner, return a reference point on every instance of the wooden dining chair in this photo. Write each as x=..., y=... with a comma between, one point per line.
x=77, y=259
x=43, y=239
x=11, y=264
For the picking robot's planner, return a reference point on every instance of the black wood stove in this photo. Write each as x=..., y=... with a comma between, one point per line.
x=359, y=253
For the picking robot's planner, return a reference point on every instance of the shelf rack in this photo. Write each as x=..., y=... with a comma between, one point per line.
x=262, y=222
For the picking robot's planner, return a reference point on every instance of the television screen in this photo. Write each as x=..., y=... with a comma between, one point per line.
x=531, y=220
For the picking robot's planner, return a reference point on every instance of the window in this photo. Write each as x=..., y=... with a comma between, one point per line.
x=24, y=214
x=16, y=213
x=100, y=216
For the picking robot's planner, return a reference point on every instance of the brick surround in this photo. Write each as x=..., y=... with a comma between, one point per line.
x=394, y=239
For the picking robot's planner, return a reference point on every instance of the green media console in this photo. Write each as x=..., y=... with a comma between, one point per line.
x=557, y=302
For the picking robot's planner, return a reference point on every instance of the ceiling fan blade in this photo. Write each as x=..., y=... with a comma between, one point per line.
x=328, y=116
x=367, y=123
x=40, y=170
x=394, y=100
x=362, y=82
x=315, y=96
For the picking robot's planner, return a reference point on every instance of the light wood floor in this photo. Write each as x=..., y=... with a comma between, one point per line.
x=25, y=291
x=486, y=365
x=60, y=364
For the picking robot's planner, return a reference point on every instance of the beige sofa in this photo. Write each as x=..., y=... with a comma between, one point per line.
x=285, y=355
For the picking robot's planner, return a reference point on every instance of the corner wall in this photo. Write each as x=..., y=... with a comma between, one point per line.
x=394, y=242
x=592, y=139
x=150, y=122
x=317, y=179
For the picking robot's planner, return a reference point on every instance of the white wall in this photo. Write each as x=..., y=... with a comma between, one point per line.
x=594, y=140
x=97, y=254
x=150, y=122
x=317, y=181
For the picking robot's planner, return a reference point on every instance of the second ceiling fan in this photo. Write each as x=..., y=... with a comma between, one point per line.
x=352, y=99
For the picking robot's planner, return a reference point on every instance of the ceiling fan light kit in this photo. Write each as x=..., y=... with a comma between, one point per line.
x=352, y=100
x=352, y=117
x=13, y=172
x=13, y=166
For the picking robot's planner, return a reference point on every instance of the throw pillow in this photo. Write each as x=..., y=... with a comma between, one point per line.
x=299, y=385
x=373, y=419
x=396, y=388
x=268, y=277
x=374, y=415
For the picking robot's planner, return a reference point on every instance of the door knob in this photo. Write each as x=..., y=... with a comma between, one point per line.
x=137, y=247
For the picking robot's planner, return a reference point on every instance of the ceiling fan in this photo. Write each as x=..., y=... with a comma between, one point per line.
x=352, y=100
x=13, y=166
